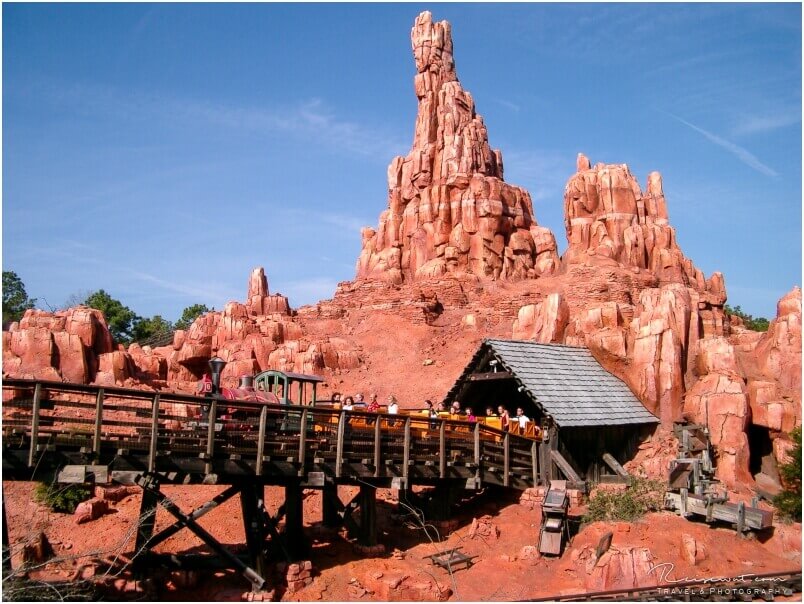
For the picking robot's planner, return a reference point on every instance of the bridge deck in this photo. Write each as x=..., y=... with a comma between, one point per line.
x=47, y=425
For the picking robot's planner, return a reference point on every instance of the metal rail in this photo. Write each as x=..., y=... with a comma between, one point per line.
x=185, y=438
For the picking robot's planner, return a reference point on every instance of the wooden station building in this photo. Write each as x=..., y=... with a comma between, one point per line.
x=589, y=416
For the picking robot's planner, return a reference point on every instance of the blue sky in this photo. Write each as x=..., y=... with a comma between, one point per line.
x=162, y=151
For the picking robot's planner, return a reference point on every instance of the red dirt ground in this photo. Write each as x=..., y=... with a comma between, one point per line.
x=501, y=572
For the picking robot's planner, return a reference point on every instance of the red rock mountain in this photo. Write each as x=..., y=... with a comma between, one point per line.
x=458, y=257
x=449, y=210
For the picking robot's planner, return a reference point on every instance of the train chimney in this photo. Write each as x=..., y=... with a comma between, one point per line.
x=246, y=382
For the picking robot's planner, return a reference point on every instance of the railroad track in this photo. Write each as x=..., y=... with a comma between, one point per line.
x=739, y=588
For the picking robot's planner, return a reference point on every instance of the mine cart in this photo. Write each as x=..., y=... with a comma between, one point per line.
x=554, y=519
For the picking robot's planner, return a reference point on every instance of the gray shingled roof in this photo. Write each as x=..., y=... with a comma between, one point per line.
x=567, y=383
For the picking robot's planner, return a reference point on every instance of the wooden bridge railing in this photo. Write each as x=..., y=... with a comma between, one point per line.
x=135, y=430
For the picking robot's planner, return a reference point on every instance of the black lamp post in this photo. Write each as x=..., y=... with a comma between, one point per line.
x=216, y=365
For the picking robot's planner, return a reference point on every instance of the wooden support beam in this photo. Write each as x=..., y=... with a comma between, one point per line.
x=6, y=553
x=490, y=375
x=506, y=459
x=294, y=521
x=257, y=581
x=377, y=447
x=302, y=441
x=614, y=465
x=147, y=517
x=152, y=449
x=330, y=506
x=406, y=451
x=254, y=526
x=339, y=444
x=565, y=466
x=37, y=400
x=261, y=440
x=368, y=515
x=96, y=437
x=478, y=474
x=213, y=414
x=442, y=450
x=197, y=513
x=534, y=460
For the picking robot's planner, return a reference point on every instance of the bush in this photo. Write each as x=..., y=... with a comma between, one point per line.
x=641, y=497
x=62, y=498
x=788, y=502
x=753, y=323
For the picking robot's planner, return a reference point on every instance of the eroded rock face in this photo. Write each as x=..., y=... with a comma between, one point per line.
x=57, y=345
x=449, y=210
x=610, y=220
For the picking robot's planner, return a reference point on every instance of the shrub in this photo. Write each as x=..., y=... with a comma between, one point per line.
x=62, y=498
x=641, y=497
x=788, y=502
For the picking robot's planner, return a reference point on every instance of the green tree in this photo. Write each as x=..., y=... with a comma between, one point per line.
x=147, y=328
x=190, y=314
x=15, y=298
x=752, y=323
x=788, y=501
x=120, y=319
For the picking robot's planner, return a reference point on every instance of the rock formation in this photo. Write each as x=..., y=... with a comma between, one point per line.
x=449, y=210
x=458, y=257
x=609, y=220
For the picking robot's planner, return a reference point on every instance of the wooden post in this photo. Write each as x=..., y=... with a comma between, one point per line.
x=741, y=517
x=35, y=425
x=213, y=414
x=477, y=455
x=544, y=463
x=339, y=445
x=329, y=505
x=154, y=434
x=368, y=516
x=534, y=460
x=406, y=451
x=302, y=441
x=96, y=439
x=6, y=546
x=442, y=450
x=261, y=440
x=377, y=446
x=294, y=520
x=147, y=518
x=506, y=459
x=254, y=526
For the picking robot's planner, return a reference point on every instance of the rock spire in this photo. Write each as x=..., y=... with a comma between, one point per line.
x=449, y=210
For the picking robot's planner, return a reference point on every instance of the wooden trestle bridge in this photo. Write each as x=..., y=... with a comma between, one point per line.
x=80, y=433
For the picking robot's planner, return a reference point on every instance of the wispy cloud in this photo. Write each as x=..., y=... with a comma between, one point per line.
x=745, y=156
x=509, y=105
x=310, y=119
x=757, y=124
x=203, y=293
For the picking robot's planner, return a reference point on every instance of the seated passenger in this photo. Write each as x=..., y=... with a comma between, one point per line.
x=504, y=417
x=470, y=416
x=393, y=408
x=348, y=403
x=490, y=412
x=521, y=418
x=456, y=408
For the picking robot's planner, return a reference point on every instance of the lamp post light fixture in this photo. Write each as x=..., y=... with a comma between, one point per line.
x=216, y=365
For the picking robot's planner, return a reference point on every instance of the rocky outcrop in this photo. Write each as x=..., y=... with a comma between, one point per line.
x=57, y=345
x=449, y=210
x=609, y=220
